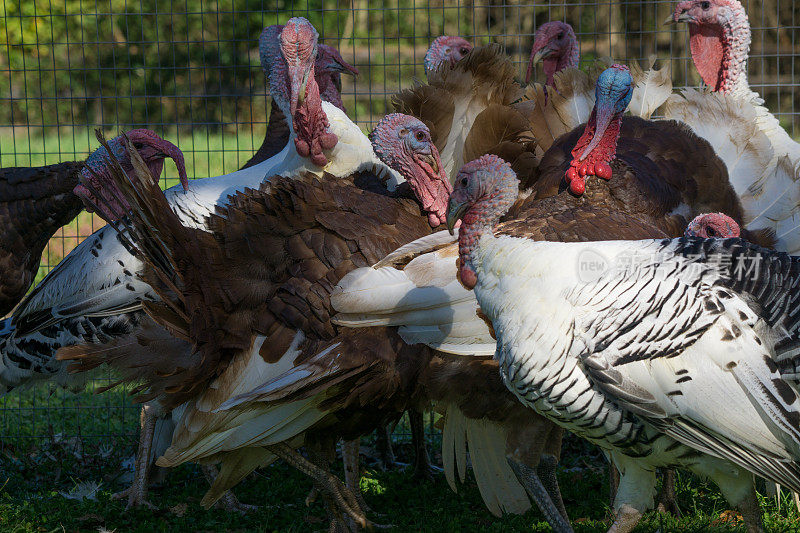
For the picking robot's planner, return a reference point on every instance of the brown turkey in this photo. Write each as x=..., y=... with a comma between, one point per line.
x=252, y=297
x=36, y=201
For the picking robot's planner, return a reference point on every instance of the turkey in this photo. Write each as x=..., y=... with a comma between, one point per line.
x=415, y=288
x=657, y=171
x=94, y=294
x=660, y=351
x=763, y=160
x=469, y=106
x=37, y=201
x=567, y=98
x=556, y=47
x=444, y=52
x=328, y=68
x=311, y=231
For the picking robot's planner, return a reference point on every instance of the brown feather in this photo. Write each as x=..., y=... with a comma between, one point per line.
x=659, y=166
x=432, y=105
x=34, y=203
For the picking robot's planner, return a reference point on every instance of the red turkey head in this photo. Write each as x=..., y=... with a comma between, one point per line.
x=404, y=143
x=153, y=150
x=484, y=191
x=597, y=147
x=329, y=67
x=719, y=36
x=446, y=50
x=556, y=46
x=713, y=225
x=288, y=54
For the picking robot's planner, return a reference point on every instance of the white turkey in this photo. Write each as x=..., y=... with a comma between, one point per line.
x=763, y=160
x=328, y=69
x=662, y=352
x=415, y=288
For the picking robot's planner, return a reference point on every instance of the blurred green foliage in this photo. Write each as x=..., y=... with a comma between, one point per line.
x=193, y=64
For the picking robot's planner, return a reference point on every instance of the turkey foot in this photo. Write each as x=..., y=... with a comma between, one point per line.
x=626, y=519
x=423, y=469
x=547, y=475
x=666, y=498
x=352, y=472
x=342, y=502
x=228, y=501
x=383, y=445
x=137, y=492
x=529, y=479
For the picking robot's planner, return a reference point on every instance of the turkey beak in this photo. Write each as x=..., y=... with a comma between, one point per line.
x=455, y=211
x=167, y=149
x=432, y=161
x=340, y=65
x=541, y=54
x=536, y=58
x=672, y=19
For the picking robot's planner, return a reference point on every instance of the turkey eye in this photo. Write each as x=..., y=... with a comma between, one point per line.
x=464, y=51
x=705, y=5
x=560, y=36
x=711, y=232
x=420, y=135
x=464, y=182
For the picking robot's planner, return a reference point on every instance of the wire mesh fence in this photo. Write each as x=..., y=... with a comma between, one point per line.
x=189, y=70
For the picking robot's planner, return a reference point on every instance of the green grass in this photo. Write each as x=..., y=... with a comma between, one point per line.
x=34, y=475
x=206, y=154
x=35, y=471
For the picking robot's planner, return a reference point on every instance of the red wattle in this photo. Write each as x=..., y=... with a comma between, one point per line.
x=583, y=170
x=571, y=174
x=467, y=278
x=602, y=170
x=578, y=186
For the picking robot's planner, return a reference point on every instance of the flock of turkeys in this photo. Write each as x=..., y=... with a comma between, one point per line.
x=629, y=279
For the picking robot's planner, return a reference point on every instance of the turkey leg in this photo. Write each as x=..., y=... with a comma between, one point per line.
x=538, y=493
x=137, y=492
x=352, y=471
x=547, y=475
x=341, y=497
x=229, y=501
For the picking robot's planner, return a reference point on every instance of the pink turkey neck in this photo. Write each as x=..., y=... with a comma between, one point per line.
x=309, y=121
x=310, y=124
x=482, y=217
x=720, y=51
